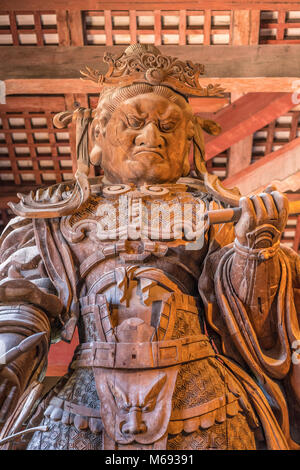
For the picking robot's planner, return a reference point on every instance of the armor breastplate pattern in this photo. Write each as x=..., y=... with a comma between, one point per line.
x=140, y=332
x=139, y=328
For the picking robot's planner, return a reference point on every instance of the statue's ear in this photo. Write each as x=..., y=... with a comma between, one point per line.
x=100, y=122
x=94, y=130
x=95, y=147
x=211, y=127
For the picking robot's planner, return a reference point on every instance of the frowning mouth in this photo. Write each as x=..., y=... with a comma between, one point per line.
x=149, y=151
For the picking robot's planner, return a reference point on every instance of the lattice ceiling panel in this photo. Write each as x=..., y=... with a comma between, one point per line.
x=218, y=165
x=275, y=135
x=32, y=150
x=157, y=27
x=289, y=235
x=28, y=28
x=122, y=27
x=280, y=27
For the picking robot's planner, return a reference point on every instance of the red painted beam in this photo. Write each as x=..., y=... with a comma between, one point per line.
x=278, y=165
x=60, y=356
x=244, y=117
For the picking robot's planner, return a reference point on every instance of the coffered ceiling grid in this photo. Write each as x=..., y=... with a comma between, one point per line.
x=279, y=27
x=275, y=135
x=28, y=28
x=157, y=27
x=32, y=151
x=124, y=27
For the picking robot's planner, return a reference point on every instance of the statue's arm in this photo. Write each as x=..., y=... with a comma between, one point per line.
x=28, y=305
x=257, y=265
x=250, y=290
x=254, y=271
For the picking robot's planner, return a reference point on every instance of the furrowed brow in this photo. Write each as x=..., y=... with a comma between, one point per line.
x=135, y=111
x=169, y=115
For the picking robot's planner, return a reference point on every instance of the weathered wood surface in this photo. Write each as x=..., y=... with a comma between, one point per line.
x=245, y=27
x=220, y=61
x=245, y=116
x=264, y=171
x=240, y=155
x=76, y=85
x=8, y=5
x=33, y=103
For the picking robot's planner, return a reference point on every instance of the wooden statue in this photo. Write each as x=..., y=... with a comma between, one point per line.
x=188, y=329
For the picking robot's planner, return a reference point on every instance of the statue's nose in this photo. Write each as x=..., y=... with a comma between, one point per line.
x=149, y=137
x=134, y=424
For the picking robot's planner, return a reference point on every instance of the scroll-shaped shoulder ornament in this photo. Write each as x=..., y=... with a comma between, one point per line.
x=64, y=198
x=55, y=201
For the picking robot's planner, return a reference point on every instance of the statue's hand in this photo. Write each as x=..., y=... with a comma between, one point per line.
x=9, y=393
x=263, y=219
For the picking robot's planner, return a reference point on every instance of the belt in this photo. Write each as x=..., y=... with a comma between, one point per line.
x=148, y=355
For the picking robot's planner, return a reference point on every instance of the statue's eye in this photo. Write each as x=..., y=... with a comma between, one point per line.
x=134, y=123
x=167, y=126
x=125, y=407
x=150, y=405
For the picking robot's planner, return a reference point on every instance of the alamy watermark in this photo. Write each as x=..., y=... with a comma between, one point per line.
x=134, y=220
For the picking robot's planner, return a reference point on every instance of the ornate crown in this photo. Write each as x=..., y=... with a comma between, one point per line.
x=145, y=64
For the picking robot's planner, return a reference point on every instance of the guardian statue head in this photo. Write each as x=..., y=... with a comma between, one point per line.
x=141, y=132
x=143, y=126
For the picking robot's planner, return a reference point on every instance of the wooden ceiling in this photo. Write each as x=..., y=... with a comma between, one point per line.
x=251, y=47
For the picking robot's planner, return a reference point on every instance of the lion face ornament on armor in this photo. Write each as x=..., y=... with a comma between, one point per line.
x=136, y=406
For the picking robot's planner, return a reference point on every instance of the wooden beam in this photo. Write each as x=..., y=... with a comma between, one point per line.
x=132, y=26
x=240, y=155
x=254, y=27
x=46, y=86
x=33, y=103
x=245, y=116
x=63, y=30
x=240, y=28
x=76, y=28
x=207, y=27
x=58, y=62
x=108, y=27
x=29, y=5
x=278, y=165
x=245, y=27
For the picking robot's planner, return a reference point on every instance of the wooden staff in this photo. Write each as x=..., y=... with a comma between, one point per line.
x=223, y=216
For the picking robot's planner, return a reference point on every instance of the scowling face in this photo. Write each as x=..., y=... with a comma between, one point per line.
x=145, y=140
